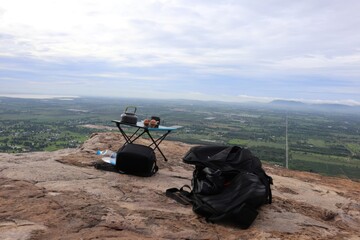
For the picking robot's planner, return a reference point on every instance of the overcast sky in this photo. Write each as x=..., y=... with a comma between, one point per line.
x=200, y=49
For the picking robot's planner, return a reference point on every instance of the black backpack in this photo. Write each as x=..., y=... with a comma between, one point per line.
x=228, y=185
x=136, y=159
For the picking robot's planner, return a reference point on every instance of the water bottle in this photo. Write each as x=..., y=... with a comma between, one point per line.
x=108, y=156
x=106, y=153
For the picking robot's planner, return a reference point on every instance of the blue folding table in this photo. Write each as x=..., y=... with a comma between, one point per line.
x=140, y=129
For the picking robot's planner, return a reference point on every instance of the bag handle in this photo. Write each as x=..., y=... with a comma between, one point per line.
x=126, y=109
x=180, y=195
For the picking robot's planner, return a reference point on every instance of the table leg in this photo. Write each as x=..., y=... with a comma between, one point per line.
x=127, y=138
x=160, y=139
x=134, y=137
x=157, y=144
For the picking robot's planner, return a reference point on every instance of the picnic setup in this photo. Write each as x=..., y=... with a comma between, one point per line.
x=141, y=129
x=228, y=185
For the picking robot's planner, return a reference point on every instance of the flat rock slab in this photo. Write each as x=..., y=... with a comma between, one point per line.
x=61, y=195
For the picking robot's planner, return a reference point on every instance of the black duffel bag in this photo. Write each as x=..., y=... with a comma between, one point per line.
x=136, y=159
x=228, y=184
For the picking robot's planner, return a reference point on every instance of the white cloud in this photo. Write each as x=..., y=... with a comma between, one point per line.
x=319, y=61
x=274, y=39
x=220, y=33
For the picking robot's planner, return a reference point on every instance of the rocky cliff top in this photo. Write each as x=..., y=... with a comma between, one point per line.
x=61, y=195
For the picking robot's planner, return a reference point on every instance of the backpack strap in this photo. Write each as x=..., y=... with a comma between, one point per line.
x=267, y=181
x=180, y=195
x=155, y=169
x=270, y=181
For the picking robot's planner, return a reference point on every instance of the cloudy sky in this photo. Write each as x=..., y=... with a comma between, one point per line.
x=205, y=49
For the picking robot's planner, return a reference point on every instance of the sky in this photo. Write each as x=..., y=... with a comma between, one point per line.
x=179, y=49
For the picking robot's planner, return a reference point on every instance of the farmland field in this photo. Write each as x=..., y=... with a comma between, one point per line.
x=323, y=141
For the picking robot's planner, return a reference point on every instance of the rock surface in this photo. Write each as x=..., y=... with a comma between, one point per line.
x=61, y=195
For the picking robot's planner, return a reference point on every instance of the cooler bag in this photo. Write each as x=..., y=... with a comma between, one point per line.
x=136, y=159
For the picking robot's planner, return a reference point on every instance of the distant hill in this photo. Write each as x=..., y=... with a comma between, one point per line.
x=328, y=107
x=287, y=103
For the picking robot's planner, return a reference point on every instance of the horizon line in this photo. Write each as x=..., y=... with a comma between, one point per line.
x=244, y=99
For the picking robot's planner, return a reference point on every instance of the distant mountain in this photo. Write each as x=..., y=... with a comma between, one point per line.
x=327, y=107
x=333, y=105
x=287, y=103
